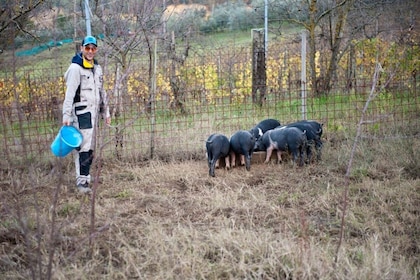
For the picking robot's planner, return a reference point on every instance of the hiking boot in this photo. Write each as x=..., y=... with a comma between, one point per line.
x=84, y=188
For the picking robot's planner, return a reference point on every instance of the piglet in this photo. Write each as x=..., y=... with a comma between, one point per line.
x=217, y=146
x=284, y=139
x=260, y=128
x=242, y=143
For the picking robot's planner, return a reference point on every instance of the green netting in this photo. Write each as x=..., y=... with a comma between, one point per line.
x=38, y=49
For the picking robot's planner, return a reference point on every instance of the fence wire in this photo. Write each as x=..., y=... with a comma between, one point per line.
x=208, y=93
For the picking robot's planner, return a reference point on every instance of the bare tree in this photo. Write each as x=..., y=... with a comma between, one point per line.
x=14, y=17
x=176, y=82
x=310, y=14
x=332, y=24
x=127, y=30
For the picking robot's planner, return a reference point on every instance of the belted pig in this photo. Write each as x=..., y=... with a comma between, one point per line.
x=259, y=129
x=284, y=139
x=242, y=143
x=314, y=131
x=217, y=146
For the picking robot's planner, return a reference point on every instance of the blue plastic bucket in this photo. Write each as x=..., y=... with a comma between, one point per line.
x=67, y=139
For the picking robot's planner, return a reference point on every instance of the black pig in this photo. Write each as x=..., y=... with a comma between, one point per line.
x=242, y=142
x=314, y=131
x=258, y=130
x=284, y=139
x=217, y=146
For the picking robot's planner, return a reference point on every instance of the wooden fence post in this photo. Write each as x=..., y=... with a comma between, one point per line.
x=259, y=74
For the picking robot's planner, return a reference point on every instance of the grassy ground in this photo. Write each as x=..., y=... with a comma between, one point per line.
x=170, y=220
x=166, y=219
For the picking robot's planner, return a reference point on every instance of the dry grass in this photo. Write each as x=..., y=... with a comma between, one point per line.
x=170, y=220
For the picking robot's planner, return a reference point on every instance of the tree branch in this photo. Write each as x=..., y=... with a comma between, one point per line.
x=20, y=14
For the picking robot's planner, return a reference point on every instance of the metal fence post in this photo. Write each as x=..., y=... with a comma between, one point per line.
x=303, y=75
x=152, y=102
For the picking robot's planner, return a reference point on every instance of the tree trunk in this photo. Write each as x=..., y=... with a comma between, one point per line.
x=259, y=74
x=175, y=81
x=335, y=45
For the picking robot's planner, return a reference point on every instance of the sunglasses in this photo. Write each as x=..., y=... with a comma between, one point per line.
x=90, y=49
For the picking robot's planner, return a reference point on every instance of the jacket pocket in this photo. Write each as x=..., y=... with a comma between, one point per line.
x=84, y=119
x=86, y=82
x=80, y=108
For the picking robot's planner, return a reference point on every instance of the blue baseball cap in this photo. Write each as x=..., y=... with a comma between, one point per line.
x=89, y=40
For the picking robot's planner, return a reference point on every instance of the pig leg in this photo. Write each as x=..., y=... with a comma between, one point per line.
x=209, y=158
x=268, y=154
x=295, y=157
x=248, y=162
x=279, y=156
x=227, y=162
x=242, y=160
x=217, y=163
x=302, y=156
x=309, y=152
x=233, y=159
x=211, y=170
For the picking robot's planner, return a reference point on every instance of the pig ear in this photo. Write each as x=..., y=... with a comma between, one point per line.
x=304, y=132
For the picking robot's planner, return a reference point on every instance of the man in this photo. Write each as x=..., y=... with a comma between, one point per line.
x=84, y=98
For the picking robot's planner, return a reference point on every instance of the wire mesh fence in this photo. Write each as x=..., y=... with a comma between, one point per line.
x=211, y=92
